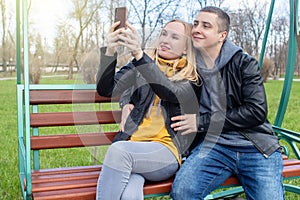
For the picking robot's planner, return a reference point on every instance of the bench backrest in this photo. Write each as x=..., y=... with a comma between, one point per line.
x=102, y=113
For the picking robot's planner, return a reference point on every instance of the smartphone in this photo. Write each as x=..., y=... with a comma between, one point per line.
x=121, y=15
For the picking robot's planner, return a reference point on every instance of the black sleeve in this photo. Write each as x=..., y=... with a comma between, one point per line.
x=112, y=83
x=253, y=110
x=126, y=97
x=105, y=74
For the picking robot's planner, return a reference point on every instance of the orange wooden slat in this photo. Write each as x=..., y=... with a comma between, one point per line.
x=65, y=177
x=67, y=97
x=62, y=185
x=71, y=140
x=86, y=193
x=291, y=171
x=66, y=170
x=231, y=181
x=74, y=118
x=291, y=162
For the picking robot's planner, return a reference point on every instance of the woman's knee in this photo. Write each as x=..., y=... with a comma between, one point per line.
x=117, y=155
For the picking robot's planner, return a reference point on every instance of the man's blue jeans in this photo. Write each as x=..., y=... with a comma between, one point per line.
x=210, y=165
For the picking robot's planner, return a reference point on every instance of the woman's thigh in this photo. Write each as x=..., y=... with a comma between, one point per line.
x=150, y=159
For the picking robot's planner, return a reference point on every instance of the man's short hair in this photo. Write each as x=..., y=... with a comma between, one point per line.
x=224, y=19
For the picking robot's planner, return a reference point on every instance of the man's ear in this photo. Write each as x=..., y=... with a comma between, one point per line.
x=223, y=36
x=184, y=51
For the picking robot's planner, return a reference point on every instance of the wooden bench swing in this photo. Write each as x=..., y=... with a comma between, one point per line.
x=79, y=182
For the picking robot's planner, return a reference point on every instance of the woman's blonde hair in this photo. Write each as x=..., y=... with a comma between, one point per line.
x=189, y=71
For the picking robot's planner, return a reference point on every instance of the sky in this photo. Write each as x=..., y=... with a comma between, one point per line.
x=44, y=14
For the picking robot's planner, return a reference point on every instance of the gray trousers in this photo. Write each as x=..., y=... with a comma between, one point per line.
x=126, y=166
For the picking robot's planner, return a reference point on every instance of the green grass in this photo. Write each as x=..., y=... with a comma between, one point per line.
x=9, y=184
x=291, y=119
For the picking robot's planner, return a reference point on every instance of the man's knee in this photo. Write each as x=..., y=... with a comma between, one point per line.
x=175, y=193
x=179, y=190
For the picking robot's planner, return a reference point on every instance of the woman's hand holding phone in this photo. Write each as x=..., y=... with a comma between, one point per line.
x=113, y=39
x=129, y=38
x=124, y=34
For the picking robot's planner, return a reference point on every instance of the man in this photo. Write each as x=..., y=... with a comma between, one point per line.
x=233, y=114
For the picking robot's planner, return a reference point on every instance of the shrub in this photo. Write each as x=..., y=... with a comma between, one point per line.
x=90, y=66
x=35, y=72
x=267, y=68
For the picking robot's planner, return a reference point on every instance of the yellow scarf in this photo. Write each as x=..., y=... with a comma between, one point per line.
x=153, y=127
x=170, y=67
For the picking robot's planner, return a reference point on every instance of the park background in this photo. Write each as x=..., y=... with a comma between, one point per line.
x=64, y=41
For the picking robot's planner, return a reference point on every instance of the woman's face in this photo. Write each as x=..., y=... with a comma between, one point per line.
x=172, y=41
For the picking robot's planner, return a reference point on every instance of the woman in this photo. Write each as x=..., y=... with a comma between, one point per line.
x=150, y=149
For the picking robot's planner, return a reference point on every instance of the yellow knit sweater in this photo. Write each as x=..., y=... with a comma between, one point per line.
x=153, y=126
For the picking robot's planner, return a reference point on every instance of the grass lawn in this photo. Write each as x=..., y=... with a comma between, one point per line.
x=9, y=184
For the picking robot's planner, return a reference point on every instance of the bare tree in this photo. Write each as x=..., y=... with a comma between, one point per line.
x=96, y=27
x=257, y=19
x=89, y=65
x=104, y=19
x=88, y=22
x=83, y=13
x=279, y=44
x=3, y=16
x=190, y=8
x=217, y=3
x=150, y=14
x=248, y=24
x=62, y=45
x=37, y=60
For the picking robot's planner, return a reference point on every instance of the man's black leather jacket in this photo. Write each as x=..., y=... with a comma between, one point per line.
x=246, y=104
x=177, y=98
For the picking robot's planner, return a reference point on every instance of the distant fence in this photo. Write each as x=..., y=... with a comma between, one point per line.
x=10, y=67
x=58, y=68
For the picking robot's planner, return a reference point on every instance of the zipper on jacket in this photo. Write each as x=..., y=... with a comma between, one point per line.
x=259, y=149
